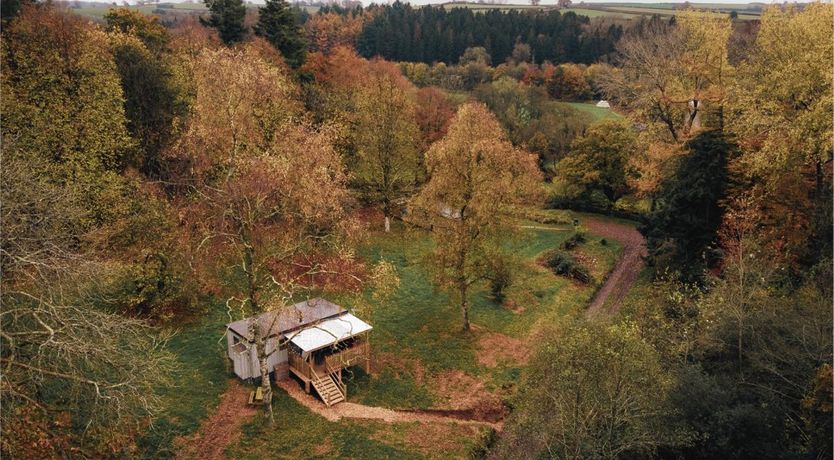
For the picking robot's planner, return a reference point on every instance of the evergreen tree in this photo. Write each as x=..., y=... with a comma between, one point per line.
x=277, y=24
x=227, y=17
x=689, y=212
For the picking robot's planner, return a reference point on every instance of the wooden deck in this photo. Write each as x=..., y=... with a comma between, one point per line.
x=320, y=376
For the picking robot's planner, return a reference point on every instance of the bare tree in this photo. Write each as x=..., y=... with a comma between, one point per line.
x=61, y=352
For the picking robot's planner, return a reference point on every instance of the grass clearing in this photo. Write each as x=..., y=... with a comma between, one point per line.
x=421, y=325
x=201, y=378
x=597, y=113
x=595, y=13
x=417, y=336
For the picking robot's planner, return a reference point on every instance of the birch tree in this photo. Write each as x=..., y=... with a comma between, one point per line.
x=266, y=190
x=476, y=175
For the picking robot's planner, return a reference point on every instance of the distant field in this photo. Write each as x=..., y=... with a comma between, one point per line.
x=618, y=10
x=98, y=11
x=613, y=10
x=592, y=13
x=598, y=113
x=707, y=6
x=626, y=11
x=484, y=6
x=667, y=12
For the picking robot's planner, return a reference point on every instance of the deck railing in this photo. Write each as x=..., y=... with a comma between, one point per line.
x=332, y=363
x=347, y=357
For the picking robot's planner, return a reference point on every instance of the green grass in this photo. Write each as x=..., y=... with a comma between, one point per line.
x=98, y=12
x=200, y=380
x=421, y=324
x=597, y=113
x=483, y=6
x=389, y=389
x=417, y=326
x=299, y=433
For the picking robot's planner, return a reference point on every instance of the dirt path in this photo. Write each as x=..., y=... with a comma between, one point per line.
x=221, y=428
x=359, y=411
x=625, y=271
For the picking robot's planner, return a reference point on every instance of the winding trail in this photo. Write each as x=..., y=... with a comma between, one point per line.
x=625, y=272
x=223, y=426
x=360, y=411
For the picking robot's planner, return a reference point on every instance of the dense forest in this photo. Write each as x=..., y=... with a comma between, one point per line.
x=434, y=171
x=400, y=32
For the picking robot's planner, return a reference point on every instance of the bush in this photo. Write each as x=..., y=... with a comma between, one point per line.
x=151, y=288
x=564, y=264
x=575, y=240
x=603, y=242
x=500, y=278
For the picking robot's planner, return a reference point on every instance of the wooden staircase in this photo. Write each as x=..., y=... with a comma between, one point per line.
x=329, y=391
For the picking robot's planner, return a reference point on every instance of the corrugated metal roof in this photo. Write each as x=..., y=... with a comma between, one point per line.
x=329, y=332
x=288, y=319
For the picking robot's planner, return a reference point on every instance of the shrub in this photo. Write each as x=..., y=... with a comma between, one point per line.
x=151, y=288
x=500, y=278
x=603, y=242
x=564, y=264
x=575, y=240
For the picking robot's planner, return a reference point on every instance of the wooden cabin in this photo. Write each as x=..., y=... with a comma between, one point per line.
x=315, y=340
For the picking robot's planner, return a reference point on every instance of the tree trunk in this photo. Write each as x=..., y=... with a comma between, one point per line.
x=464, y=306
x=251, y=282
x=693, y=121
x=266, y=384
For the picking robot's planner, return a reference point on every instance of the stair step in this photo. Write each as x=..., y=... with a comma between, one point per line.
x=328, y=390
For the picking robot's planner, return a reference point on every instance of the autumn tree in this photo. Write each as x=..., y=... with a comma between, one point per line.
x=227, y=17
x=76, y=121
x=675, y=75
x=277, y=24
x=264, y=187
x=599, y=160
x=132, y=22
x=327, y=31
x=475, y=55
x=476, y=176
x=388, y=163
x=780, y=112
x=568, y=82
x=77, y=377
x=593, y=391
x=372, y=106
x=434, y=113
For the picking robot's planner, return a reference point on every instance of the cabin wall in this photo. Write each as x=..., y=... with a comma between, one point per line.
x=246, y=364
x=274, y=359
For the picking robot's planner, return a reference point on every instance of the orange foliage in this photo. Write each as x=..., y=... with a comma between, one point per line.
x=434, y=114
x=325, y=32
x=189, y=37
x=345, y=69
